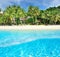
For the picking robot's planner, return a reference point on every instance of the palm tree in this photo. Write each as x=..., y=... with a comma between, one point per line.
x=33, y=12
x=14, y=12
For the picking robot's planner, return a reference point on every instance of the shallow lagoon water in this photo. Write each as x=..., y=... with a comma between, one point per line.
x=30, y=43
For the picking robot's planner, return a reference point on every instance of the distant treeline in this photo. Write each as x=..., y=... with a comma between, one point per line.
x=15, y=15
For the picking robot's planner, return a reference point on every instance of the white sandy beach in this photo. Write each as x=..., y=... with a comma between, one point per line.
x=30, y=27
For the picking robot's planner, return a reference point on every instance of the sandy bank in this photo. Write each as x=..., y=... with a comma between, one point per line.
x=30, y=27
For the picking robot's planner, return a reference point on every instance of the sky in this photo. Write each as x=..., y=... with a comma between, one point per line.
x=42, y=4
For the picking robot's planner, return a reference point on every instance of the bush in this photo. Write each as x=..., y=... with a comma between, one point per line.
x=29, y=21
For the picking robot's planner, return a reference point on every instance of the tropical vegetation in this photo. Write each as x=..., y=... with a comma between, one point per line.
x=15, y=15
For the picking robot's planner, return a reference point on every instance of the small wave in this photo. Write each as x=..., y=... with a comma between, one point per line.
x=6, y=44
x=10, y=42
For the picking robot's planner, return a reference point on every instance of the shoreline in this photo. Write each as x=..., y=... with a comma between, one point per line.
x=31, y=27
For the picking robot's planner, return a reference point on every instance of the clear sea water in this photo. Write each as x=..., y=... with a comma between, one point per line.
x=29, y=43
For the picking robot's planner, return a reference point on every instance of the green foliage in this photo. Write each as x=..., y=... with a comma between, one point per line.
x=29, y=21
x=1, y=19
x=13, y=14
x=33, y=12
x=17, y=21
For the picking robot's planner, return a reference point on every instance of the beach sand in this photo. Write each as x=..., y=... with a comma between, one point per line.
x=30, y=27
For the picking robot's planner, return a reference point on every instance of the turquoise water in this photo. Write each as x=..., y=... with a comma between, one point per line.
x=39, y=43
